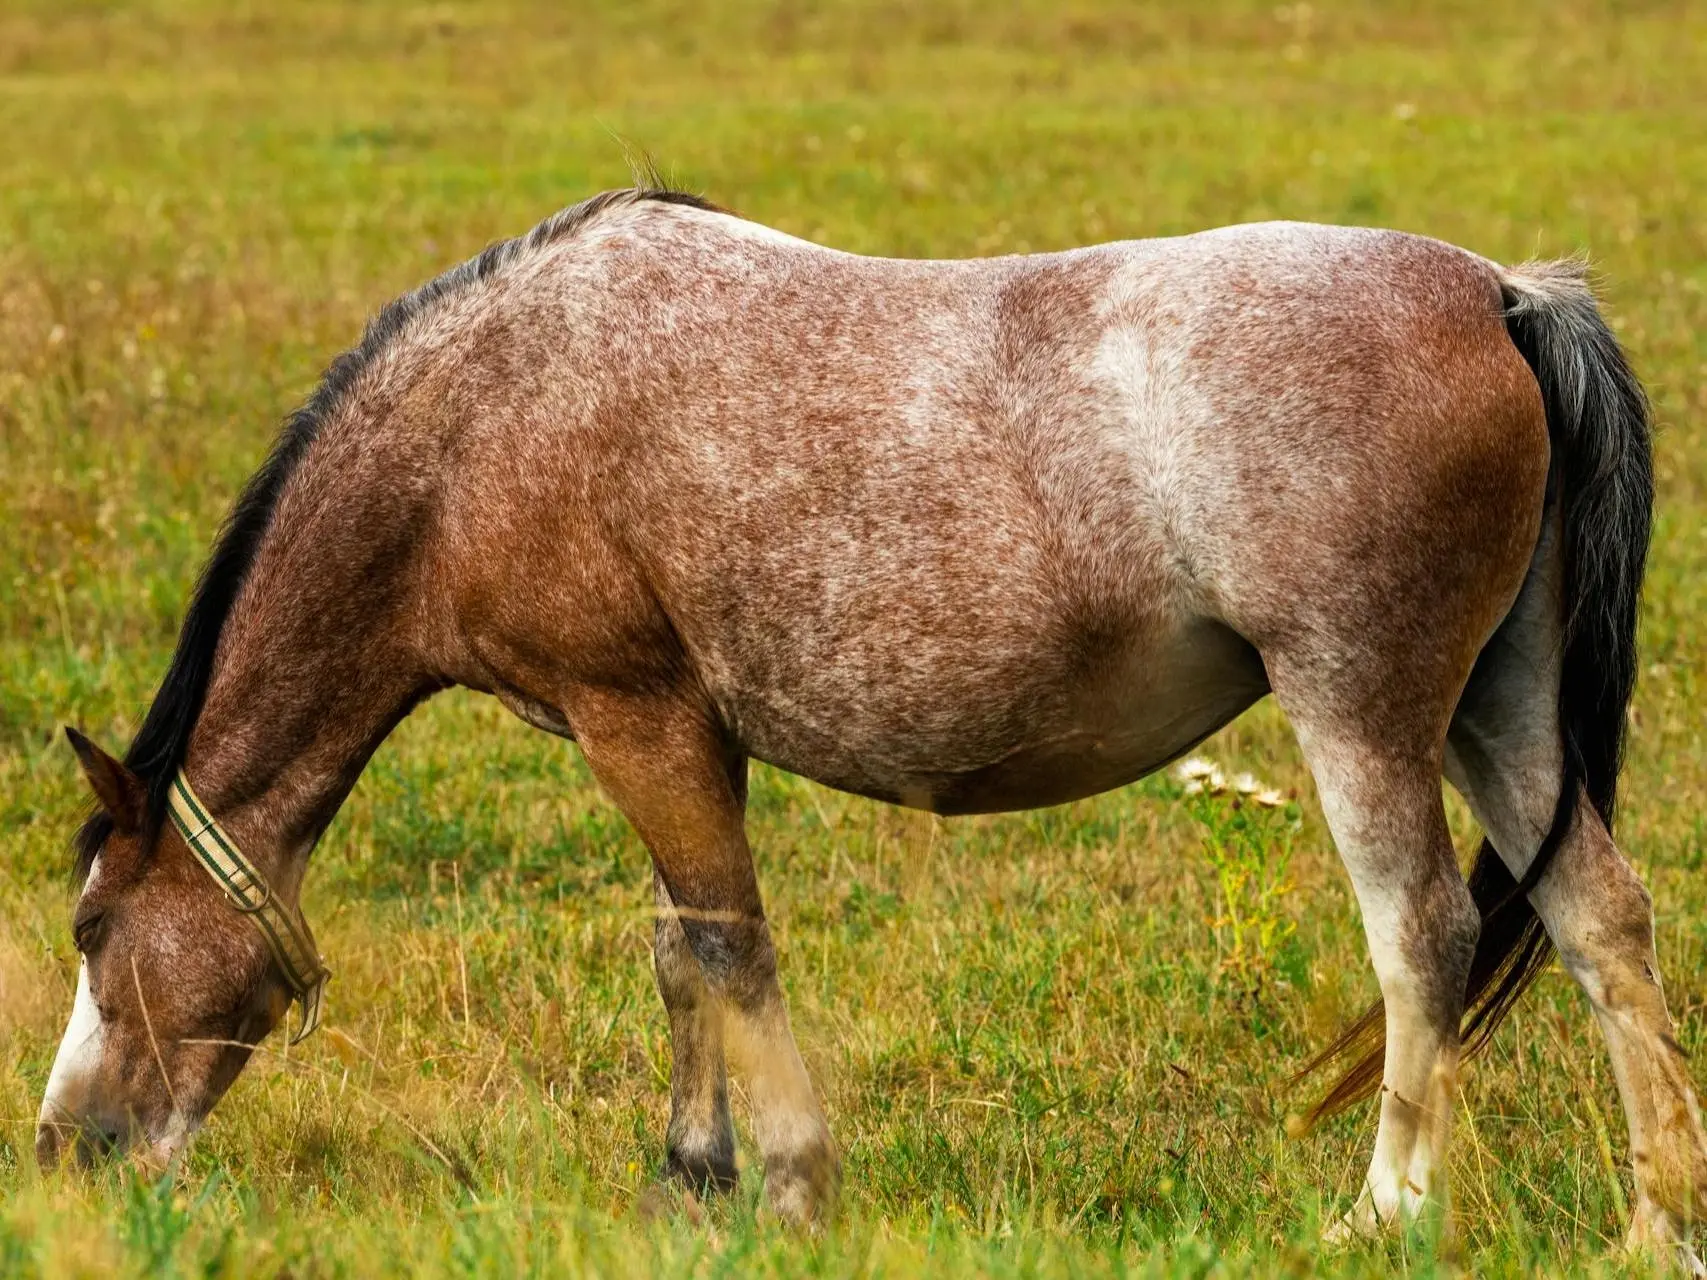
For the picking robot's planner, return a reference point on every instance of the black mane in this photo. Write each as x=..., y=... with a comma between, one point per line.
x=157, y=752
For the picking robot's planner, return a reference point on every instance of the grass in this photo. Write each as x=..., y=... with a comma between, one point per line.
x=1022, y=1026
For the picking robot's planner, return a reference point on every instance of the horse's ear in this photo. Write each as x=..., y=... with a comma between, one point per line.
x=121, y=793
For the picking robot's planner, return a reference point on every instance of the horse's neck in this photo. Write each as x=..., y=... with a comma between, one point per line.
x=315, y=667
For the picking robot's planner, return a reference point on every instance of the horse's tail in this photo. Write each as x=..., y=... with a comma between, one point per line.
x=1602, y=482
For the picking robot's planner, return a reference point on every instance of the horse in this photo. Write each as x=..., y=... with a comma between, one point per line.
x=966, y=536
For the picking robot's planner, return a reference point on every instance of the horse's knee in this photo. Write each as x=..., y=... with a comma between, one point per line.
x=734, y=953
x=673, y=965
x=1626, y=931
x=1628, y=914
x=1454, y=921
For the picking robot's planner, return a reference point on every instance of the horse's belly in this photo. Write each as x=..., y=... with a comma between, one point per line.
x=1016, y=744
x=1086, y=762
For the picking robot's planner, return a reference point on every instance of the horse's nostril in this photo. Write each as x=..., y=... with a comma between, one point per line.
x=96, y=1142
x=89, y=1142
x=50, y=1145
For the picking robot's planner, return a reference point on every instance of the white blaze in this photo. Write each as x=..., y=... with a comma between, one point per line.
x=79, y=1056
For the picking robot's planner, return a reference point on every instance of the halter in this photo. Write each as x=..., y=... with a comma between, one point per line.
x=285, y=932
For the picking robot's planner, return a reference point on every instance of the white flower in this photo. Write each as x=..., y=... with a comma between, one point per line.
x=1200, y=775
x=1269, y=799
x=1246, y=784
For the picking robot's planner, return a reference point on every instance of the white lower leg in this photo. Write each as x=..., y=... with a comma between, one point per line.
x=802, y=1167
x=1388, y=821
x=1668, y=1153
x=1407, y=1170
x=1600, y=918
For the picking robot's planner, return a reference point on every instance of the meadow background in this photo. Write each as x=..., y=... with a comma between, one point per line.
x=1043, y=1045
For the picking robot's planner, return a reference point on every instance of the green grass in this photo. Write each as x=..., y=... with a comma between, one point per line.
x=1026, y=1041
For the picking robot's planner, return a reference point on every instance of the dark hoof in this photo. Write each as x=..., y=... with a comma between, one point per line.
x=707, y=1175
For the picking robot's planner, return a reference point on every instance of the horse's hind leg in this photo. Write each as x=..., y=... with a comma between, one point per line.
x=676, y=779
x=1380, y=791
x=1504, y=756
x=1600, y=918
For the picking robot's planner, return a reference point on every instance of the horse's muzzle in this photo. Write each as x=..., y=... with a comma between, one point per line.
x=90, y=1142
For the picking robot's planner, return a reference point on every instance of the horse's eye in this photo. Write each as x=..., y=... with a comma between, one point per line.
x=85, y=932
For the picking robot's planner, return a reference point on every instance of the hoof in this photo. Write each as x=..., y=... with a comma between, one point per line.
x=704, y=1173
x=1360, y=1224
x=1348, y=1230
x=1364, y=1223
x=802, y=1188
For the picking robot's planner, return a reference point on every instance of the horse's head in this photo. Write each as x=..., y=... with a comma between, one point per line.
x=174, y=990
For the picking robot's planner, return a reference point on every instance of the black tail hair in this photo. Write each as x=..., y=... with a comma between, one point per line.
x=1603, y=480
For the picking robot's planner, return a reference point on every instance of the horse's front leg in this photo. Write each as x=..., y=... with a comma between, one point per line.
x=699, y=1147
x=677, y=779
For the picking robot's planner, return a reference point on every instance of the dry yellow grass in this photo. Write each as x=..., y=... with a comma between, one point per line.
x=1016, y=1022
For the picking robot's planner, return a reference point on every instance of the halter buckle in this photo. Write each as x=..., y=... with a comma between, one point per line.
x=248, y=909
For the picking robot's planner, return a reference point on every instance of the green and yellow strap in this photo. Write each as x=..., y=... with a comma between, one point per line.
x=286, y=935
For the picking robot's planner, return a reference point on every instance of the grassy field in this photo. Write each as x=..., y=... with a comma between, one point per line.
x=1043, y=1046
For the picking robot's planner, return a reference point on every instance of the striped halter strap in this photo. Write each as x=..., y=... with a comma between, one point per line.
x=286, y=935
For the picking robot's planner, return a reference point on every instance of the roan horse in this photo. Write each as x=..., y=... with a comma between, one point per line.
x=966, y=536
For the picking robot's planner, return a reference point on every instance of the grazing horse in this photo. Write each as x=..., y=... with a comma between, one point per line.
x=967, y=536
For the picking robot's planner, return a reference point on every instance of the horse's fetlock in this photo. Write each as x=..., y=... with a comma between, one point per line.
x=1662, y=1239
x=1676, y=1172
